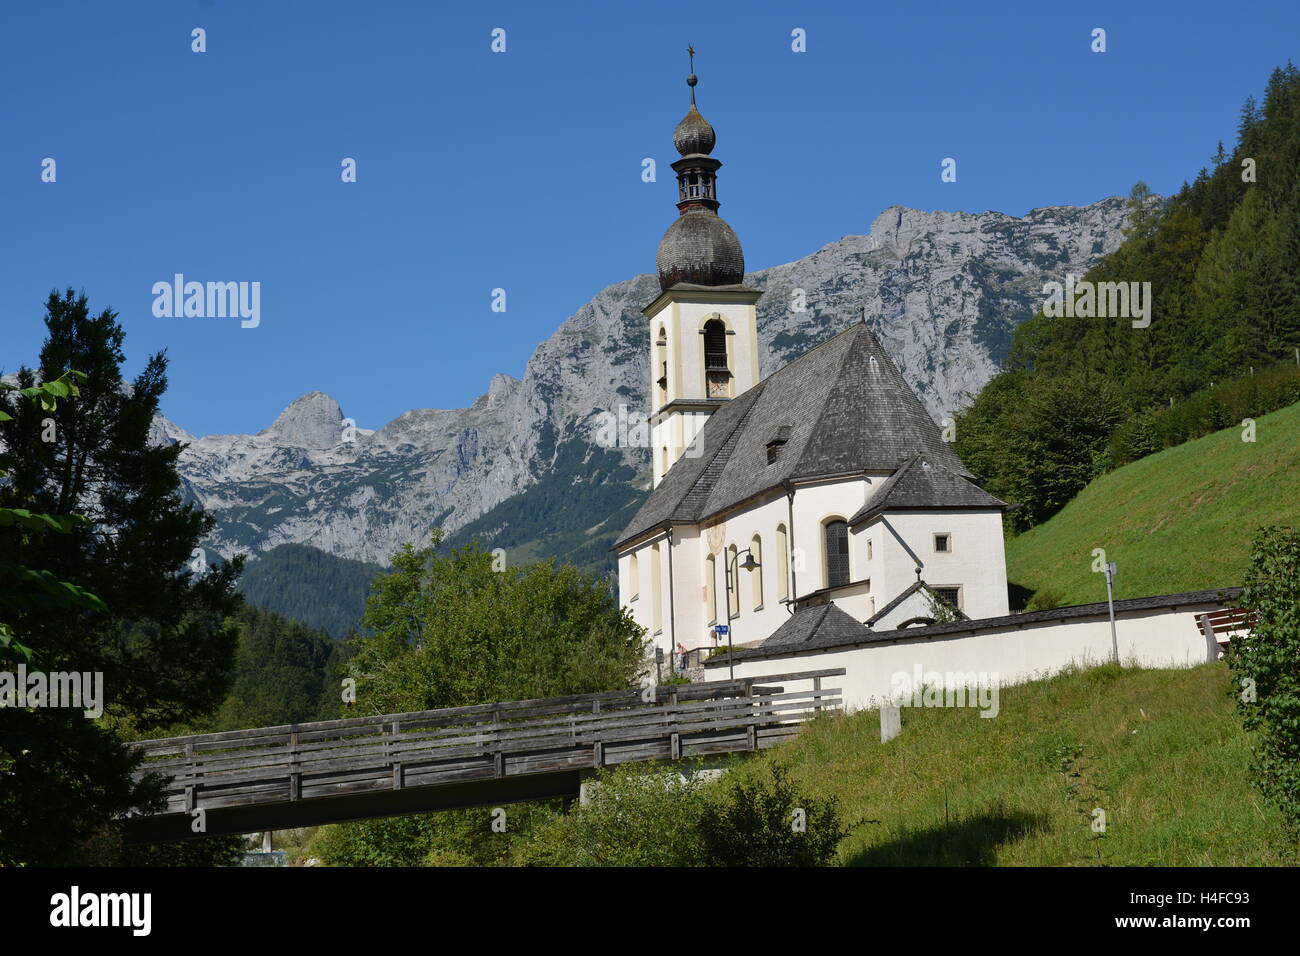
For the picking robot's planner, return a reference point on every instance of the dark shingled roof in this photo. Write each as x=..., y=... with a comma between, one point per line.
x=694, y=134
x=700, y=248
x=921, y=483
x=907, y=593
x=866, y=638
x=848, y=411
x=824, y=623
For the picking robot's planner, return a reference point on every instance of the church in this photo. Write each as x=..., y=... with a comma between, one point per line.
x=821, y=497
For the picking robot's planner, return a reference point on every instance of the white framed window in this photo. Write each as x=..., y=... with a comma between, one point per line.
x=835, y=533
x=656, y=592
x=950, y=594
x=711, y=588
x=782, y=563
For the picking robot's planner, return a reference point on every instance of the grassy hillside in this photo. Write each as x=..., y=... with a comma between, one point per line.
x=1178, y=520
x=958, y=789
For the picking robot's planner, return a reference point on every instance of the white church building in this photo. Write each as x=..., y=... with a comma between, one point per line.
x=820, y=497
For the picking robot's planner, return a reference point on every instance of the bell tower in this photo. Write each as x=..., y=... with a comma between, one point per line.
x=703, y=324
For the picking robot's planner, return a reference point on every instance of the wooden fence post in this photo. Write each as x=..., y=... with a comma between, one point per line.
x=1212, y=644
x=394, y=758
x=295, y=773
x=751, y=728
x=191, y=794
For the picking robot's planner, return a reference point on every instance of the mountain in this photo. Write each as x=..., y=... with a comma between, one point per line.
x=519, y=469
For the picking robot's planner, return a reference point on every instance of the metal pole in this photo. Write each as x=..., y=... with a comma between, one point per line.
x=731, y=666
x=1111, y=568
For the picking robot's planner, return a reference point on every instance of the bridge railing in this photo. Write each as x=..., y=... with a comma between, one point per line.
x=338, y=757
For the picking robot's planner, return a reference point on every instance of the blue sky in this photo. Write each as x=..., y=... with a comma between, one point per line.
x=521, y=170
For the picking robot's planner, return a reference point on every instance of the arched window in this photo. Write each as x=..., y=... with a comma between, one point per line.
x=633, y=578
x=782, y=563
x=837, y=552
x=717, y=373
x=756, y=575
x=733, y=592
x=663, y=461
x=656, y=592
x=710, y=589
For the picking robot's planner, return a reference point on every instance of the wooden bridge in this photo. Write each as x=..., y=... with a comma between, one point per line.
x=275, y=778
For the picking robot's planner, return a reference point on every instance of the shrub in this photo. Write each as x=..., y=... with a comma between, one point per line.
x=652, y=815
x=1264, y=665
x=1045, y=600
x=638, y=815
x=764, y=821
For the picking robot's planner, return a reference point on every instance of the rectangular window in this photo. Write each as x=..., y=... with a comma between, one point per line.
x=943, y=543
x=950, y=596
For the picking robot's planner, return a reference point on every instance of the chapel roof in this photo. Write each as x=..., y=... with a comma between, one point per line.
x=843, y=409
x=923, y=484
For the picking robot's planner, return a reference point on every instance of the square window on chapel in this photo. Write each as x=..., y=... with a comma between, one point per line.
x=943, y=543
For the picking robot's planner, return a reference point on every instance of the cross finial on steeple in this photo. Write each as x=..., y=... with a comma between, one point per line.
x=691, y=78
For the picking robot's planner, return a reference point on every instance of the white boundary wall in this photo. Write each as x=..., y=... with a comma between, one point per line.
x=1151, y=637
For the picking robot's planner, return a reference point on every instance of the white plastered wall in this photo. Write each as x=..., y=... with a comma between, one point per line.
x=1160, y=637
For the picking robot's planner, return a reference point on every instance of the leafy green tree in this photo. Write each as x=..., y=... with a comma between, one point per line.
x=449, y=630
x=1264, y=666
x=452, y=627
x=280, y=672
x=23, y=588
x=1220, y=260
x=160, y=637
x=449, y=838
x=308, y=585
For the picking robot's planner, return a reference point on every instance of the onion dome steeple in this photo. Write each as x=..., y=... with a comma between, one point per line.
x=693, y=134
x=699, y=248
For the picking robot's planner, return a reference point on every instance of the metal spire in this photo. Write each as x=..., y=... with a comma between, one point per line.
x=691, y=78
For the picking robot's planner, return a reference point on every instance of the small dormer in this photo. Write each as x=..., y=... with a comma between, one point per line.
x=777, y=442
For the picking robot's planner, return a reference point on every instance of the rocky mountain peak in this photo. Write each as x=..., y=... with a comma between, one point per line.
x=501, y=388
x=943, y=291
x=313, y=421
